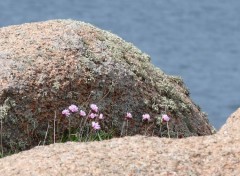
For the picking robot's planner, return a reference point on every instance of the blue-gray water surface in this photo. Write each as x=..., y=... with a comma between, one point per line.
x=198, y=40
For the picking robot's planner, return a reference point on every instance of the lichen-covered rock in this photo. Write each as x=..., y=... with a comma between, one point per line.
x=217, y=154
x=47, y=66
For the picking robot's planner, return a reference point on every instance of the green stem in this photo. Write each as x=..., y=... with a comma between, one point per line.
x=54, y=128
x=123, y=125
x=146, y=129
x=168, y=130
x=127, y=128
x=88, y=135
x=69, y=128
x=1, y=139
x=46, y=134
x=84, y=124
x=99, y=136
x=160, y=130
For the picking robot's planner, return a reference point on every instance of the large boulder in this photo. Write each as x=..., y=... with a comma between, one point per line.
x=217, y=154
x=47, y=66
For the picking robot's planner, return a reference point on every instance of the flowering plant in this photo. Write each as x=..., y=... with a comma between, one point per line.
x=145, y=117
x=165, y=118
x=73, y=108
x=128, y=116
x=92, y=119
x=94, y=108
x=96, y=126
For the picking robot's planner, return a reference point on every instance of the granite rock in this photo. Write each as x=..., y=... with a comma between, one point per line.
x=47, y=66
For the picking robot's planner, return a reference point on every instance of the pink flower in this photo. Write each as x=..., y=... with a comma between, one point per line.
x=66, y=112
x=146, y=117
x=82, y=113
x=94, y=107
x=101, y=116
x=95, y=126
x=73, y=108
x=92, y=115
x=165, y=118
x=128, y=116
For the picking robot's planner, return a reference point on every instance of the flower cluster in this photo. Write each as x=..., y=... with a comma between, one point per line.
x=146, y=117
x=94, y=117
x=66, y=112
x=128, y=116
x=72, y=108
x=94, y=108
x=93, y=114
x=96, y=126
x=82, y=113
x=165, y=118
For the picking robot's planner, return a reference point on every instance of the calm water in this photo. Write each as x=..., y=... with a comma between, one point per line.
x=196, y=39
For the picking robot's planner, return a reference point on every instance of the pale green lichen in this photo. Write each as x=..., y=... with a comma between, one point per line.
x=3, y=111
x=56, y=85
x=8, y=103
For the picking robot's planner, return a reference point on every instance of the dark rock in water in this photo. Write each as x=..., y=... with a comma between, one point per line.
x=47, y=66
